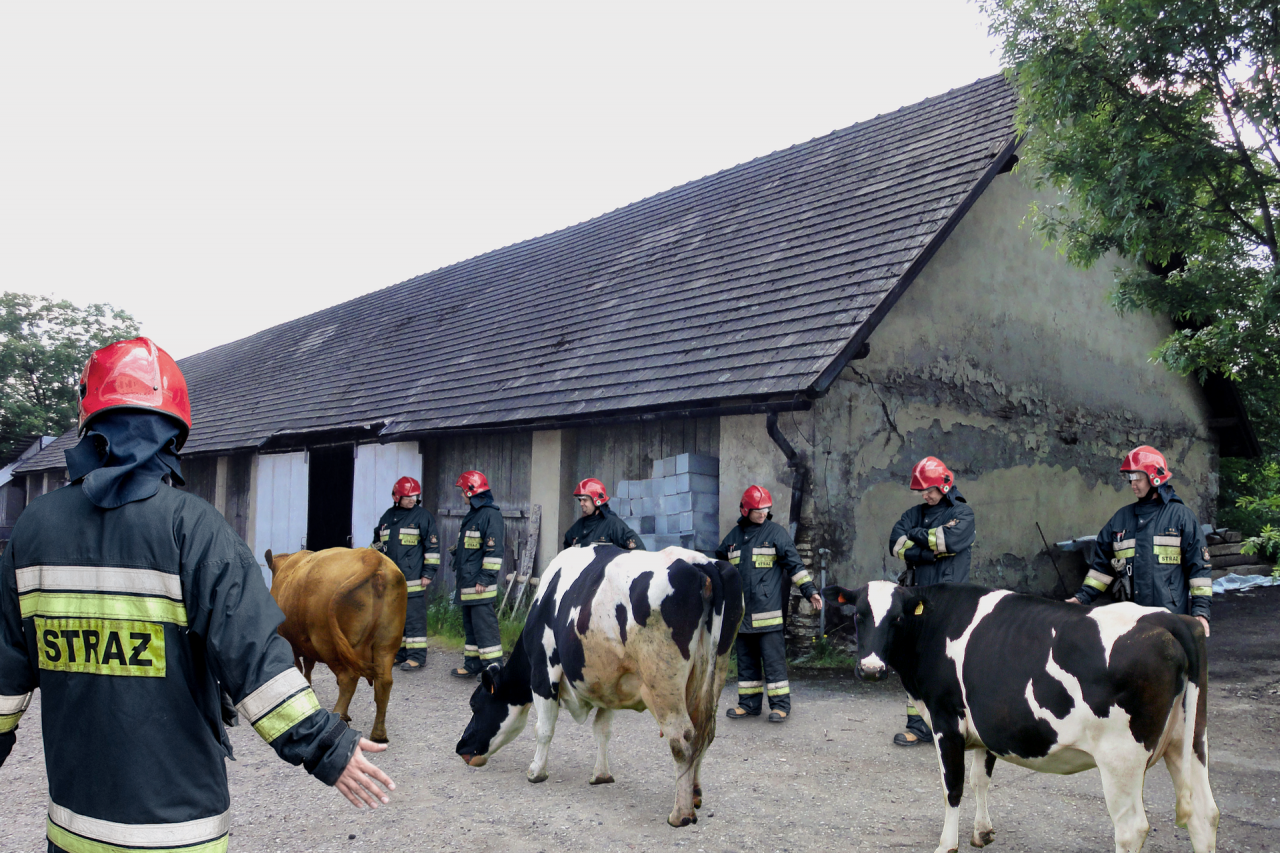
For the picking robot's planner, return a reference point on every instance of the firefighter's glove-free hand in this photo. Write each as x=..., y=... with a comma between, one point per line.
x=359, y=782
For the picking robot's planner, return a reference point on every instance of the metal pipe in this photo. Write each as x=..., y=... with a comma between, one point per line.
x=800, y=477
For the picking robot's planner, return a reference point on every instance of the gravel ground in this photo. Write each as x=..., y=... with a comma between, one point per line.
x=828, y=778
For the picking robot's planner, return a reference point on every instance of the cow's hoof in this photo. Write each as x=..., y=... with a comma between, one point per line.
x=538, y=777
x=683, y=820
x=697, y=796
x=379, y=738
x=606, y=779
x=345, y=718
x=982, y=839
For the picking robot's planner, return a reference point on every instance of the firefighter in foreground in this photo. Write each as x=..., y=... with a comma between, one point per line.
x=766, y=557
x=127, y=601
x=598, y=523
x=1154, y=549
x=407, y=534
x=933, y=538
x=477, y=561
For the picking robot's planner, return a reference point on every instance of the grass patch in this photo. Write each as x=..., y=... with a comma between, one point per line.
x=444, y=623
x=826, y=655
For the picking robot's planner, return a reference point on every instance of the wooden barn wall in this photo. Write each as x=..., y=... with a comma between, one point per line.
x=236, y=511
x=627, y=451
x=504, y=459
x=201, y=474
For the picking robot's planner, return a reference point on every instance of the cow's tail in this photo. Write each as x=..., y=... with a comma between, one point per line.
x=722, y=612
x=370, y=573
x=1195, y=699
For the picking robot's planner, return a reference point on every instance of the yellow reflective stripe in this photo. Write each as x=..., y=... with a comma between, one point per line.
x=489, y=592
x=911, y=710
x=1097, y=580
x=765, y=623
x=490, y=652
x=99, y=579
x=778, y=688
x=414, y=584
x=764, y=561
x=734, y=556
x=470, y=652
x=1125, y=553
x=933, y=539
x=274, y=691
x=492, y=561
x=9, y=722
x=431, y=559
x=801, y=577
x=408, y=539
x=750, y=688
x=1201, y=586
x=940, y=538
x=287, y=716
x=91, y=605
x=103, y=836
x=414, y=643
x=900, y=547
x=1168, y=554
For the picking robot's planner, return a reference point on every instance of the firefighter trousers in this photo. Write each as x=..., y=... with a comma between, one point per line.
x=414, y=645
x=762, y=669
x=483, y=639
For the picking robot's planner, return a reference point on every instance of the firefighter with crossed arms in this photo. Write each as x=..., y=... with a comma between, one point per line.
x=598, y=523
x=934, y=539
x=127, y=602
x=477, y=561
x=765, y=557
x=407, y=534
x=1153, y=550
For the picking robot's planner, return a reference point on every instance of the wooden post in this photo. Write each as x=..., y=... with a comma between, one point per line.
x=527, y=557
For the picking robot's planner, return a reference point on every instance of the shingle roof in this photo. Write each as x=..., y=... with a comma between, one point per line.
x=746, y=283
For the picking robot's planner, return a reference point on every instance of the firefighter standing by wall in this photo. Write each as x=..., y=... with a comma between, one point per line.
x=1154, y=547
x=765, y=556
x=598, y=523
x=407, y=534
x=477, y=561
x=933, y=539
x=127, y=601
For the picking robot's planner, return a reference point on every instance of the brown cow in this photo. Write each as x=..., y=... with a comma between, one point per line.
x=345, y=608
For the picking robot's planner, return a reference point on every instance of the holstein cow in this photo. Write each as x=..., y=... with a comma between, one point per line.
x=343, y=607
x=614, y=629
x=1052, y=686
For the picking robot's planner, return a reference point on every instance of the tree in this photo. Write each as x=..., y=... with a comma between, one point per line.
x=1158, y=123
x=44, y=345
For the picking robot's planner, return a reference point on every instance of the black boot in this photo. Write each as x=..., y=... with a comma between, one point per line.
x=916, y=734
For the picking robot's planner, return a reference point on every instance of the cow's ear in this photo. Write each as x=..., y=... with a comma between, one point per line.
x=838, y=594
x=268, y=556
x=489, y=678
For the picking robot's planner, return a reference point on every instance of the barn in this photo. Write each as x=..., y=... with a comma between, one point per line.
x=815, y=321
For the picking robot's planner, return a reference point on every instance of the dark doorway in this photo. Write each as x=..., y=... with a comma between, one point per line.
x=332, y=475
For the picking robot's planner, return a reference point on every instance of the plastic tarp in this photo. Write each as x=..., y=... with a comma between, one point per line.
x=1234, y=582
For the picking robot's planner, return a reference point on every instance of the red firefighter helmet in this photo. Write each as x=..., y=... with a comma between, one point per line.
x=134, y=374
x=472, y=482
x=592, y=488
x=930, y=473
x=755, y=497
x=406, y=487
x=1149, y=461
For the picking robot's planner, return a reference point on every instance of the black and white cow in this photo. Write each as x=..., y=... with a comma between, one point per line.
x=1048, y=685
x=614, y=629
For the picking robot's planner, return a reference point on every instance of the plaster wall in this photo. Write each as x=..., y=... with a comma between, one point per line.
x=749, y=457
x=1014, y=368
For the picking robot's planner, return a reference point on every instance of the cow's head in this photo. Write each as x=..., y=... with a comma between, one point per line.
x=881, y=610
x=499, y=710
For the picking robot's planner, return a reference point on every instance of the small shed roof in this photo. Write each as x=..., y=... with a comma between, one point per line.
x=755, y=282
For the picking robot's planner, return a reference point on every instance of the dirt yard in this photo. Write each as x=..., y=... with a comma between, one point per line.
x=828, y=779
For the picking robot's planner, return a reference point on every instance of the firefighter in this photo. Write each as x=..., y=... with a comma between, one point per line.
x=1154, y=549
x=766, y=557
x=477, y=560
x=933, y=539
x=127, y=602
x=598, y=522
x=407, y=534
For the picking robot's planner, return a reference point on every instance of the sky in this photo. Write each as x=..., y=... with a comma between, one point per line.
x=216, y=169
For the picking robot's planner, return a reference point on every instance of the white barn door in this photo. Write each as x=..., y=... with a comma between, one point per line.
x=378, y=466
x=280, y=505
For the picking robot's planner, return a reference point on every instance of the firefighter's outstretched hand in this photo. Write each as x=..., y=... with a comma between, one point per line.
x=359, y=782
x=816, y=601
x=1205, y=623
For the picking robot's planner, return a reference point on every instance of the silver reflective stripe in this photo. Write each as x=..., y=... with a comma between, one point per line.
x=414, y=584
x=764, y=550
x=900, y=547
x=1176, y=541
x=412, y=531
x=259, y=702
x=492, y=561
x=415, y=639
x=941, y=540
x=1128, y=543
x=751, y=684
x=734, y=554
x=772, y=614
x=142, y=834
x=14, y=704
x=1100, y=577
x=99, y=579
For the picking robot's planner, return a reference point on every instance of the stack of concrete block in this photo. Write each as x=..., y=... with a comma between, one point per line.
x=678, y=505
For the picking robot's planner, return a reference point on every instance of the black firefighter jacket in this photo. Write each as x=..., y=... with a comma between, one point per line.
x=477, y=558
x=603, y=525
x=127, y=619
x=410, y=538
x=939, y=553
x=766, y=557
x=1159, y=543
